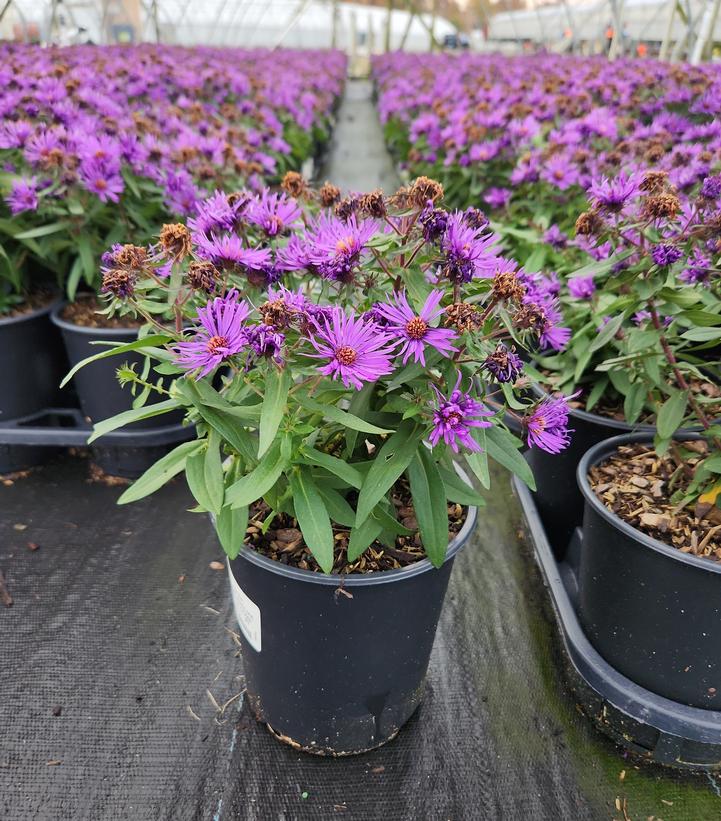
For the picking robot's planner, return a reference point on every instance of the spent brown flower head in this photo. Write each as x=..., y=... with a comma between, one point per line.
x=654, y=182
x=373, y=204
x=424, y=189
x=345, y=209
x=131, y=256
x=276, y=313
x=462, y=316
x=203, y=276
x=661, y=206
x=120, y=282
x=294, y=184
x=329, y=194
x=588, y=223
x=507, y=287
x=175, y=240
x=529, y=316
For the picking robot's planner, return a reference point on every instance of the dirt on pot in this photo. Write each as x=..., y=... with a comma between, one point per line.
x=637, y=485
x=283, y=541
x=39, y=298
x=84, y=312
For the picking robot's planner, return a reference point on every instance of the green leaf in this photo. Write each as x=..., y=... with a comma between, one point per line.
x=313, y=518
x=606, y=334
x=42, y=230
x=596, y=393
x=277, y=384
x=161, y=472
x=478, y=461
x=363, y=536
x=429, y=504
x=235, y=435
x=136, y=345
x=88, y=260
x=504, y=448
x=204, y=473
x=129, y=416
x=458, y=491
x=702, y=334
x=671, y=414
x=71, y=286
x=338, y=508
x=335, y=414
x=259, y=481
x=336, y=466
x=392, y=459
x=634, y=401
x=230, y=525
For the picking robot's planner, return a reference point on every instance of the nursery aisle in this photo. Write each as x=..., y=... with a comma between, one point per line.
x=121, y=684
x=358, y=160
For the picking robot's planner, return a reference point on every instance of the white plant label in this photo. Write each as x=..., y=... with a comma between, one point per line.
x=247, y=613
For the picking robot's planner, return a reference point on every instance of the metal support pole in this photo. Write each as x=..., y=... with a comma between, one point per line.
x=666, y=44
x=617, y=41
x=709, y=16
x=389, y=18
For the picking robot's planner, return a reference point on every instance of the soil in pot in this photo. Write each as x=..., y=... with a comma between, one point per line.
x=636, y=484
x=283, y=541
x=649, y=604
x=335, y=664
x=85, y=313
x=31, y=358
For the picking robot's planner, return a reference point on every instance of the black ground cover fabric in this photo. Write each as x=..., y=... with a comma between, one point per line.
x=120, y=630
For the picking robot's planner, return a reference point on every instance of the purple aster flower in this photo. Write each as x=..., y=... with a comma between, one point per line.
x=698, y=268
x=454, y=417
x=581, y=287
x=503, y=364
x=432, y=221
x=414, y=329
x=547, y=426
x=641, y=316
x=103, y=181
x=218, y=213
x=335, y=247
x=220, y=335
x=265, y=340
x=560, y=172
x=711, y=188
x=555, y=237
x=497, y=198
x=23, y=195
x=358, y=351
x=469, y=253
x=228, y=252
x=612, y=195
x=274, y=213
x=664, y=255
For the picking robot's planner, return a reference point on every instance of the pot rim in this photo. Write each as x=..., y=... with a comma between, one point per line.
x=84, y=330
x=596, y=454
x=366, y=579
x=53, y=305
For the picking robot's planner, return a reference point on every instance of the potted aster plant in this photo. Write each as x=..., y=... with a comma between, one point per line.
x=334, y=364
x=644, y=314
x=652, y=519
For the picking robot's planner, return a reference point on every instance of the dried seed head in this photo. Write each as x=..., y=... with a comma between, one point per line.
x=119, y=282
x=588, y=223
x=329, y=194
x=462, y=316
x=373, y=204
x=424, y=189
x=654, y=182
x=345, y=209
x=661, y=206
x=276, y=313
x=175, y=240
x=294, y=184
x=203, y=276
x=507, y=287
x=401, y=198
x=529, y=316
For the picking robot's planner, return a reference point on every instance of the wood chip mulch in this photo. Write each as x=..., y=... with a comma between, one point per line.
x=637, y=485
x=283, y=541
x=84, y=312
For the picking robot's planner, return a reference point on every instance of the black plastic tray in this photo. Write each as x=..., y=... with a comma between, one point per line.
x=649, y=725
x=28, y=441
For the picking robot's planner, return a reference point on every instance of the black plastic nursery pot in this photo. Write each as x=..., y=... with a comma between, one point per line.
x=651, y=611
x=335, y=665
x=99, y=393
x=32, y=362
x=557, y=497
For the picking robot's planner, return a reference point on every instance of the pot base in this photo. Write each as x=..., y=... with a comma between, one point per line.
x=650, y=726
x=327, y=752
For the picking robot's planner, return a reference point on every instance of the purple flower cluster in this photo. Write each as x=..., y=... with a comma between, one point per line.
x=455, y=416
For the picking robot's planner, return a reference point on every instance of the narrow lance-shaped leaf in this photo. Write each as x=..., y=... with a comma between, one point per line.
x=259, y=481
x=133, y=415
x=277, y=383
x=429, y=504
x=671, y=414
x=158, y=474
x=390, y=462
x=230, y=526
x=348, y=420
x=313, y=518
x=137, y=344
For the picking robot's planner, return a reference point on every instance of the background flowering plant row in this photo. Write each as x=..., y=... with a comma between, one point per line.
x=102, y=143
x=602, y=178
x=326, y=350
